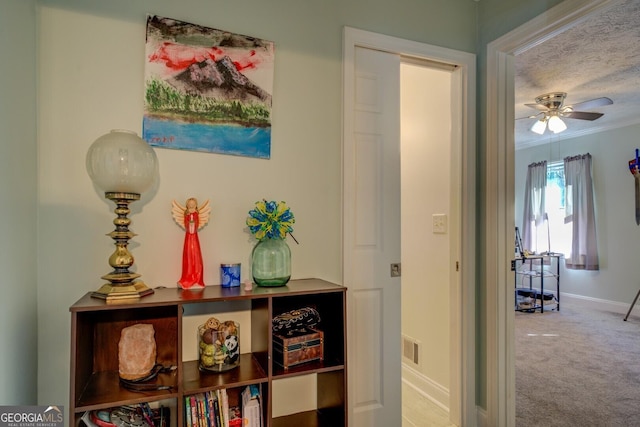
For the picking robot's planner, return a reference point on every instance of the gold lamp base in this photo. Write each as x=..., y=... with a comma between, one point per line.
x=111, y=292
x=122, y=286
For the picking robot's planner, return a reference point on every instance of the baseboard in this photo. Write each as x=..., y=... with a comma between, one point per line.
x=436, y=393
x=431, y=390
x=596, y=303
x=481, y=417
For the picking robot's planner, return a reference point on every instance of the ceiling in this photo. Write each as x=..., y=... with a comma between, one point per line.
x=598, y=57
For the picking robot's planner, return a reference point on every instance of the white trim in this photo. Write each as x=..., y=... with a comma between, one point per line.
x=589, y=303
x=499, y=196
x=481, y=419
x=463, y=372
x=426, y=387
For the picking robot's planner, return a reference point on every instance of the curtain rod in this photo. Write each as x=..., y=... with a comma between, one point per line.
x=540, y=163
x=578, y=157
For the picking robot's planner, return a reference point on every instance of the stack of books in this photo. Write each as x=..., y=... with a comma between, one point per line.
x=212, y=409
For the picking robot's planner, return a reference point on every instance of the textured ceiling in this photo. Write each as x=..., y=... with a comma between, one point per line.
x=598, y=57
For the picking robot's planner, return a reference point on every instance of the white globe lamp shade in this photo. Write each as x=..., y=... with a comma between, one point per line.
x=539, y=127
x=122, y=162
x=556, y=125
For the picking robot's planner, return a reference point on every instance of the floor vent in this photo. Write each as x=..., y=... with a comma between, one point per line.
x=411, y=350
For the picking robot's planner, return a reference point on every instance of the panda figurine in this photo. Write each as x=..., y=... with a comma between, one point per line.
x=233, y=349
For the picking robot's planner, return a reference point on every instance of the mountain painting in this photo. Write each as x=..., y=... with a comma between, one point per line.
x=207, y=90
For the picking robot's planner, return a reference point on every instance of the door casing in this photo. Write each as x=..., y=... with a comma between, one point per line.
x=463, y=373
x=499, y=197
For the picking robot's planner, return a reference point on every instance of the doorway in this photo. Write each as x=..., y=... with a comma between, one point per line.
x=499, y=199
x=366, y=266
x=427, y=242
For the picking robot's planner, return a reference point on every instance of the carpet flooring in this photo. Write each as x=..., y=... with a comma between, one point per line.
x=577, y=367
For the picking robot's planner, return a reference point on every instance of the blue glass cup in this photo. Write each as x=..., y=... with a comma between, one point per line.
x=230, y=275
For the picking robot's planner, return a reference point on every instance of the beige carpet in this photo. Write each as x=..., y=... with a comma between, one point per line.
x=577, y=367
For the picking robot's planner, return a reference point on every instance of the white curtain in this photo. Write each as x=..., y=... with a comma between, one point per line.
x=580, y=212
x=534, y=209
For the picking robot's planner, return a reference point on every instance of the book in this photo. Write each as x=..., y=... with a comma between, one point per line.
x=251, y=406
x=194, y=411
x=187, y=411
x=209, y=397
x=196, y=421
x=225, y=407
x=216, y=408
x=202, y=412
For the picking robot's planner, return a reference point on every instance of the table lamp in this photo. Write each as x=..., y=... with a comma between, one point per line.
x=123, y=165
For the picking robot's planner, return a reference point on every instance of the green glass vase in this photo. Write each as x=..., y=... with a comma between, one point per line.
x=271, y=263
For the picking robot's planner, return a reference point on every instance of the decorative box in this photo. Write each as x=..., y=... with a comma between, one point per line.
x=298, y=347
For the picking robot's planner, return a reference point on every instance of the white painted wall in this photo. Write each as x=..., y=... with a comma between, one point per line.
x=618, y=234
x=18, y=209
x=90, y=75
x=92, y=80
x=425, y=159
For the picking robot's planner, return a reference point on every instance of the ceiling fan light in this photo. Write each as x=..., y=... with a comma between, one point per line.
x=539, y=126
x=556, y=125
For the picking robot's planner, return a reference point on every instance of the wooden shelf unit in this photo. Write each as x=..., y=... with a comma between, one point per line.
x=95, y=333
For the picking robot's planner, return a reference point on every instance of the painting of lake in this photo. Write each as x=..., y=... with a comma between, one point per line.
x=207, y=90
x=223, y=139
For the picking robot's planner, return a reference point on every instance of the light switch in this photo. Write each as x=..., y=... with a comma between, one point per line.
x=439, y=223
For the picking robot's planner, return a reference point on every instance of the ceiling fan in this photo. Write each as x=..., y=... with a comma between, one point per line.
x=552, y=110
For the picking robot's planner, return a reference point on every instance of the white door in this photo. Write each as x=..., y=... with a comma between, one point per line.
x=372, y=239
x=371, y=225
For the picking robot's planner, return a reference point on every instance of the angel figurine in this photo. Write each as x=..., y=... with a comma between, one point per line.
x=191, y=218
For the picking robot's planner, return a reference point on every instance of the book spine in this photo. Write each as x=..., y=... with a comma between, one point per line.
x=194, y=411
x=203, y=411
x=198, y=422
x=216, y=408
x=212, y=415
x=187, y=411
x=225, y=407
x=221, y=403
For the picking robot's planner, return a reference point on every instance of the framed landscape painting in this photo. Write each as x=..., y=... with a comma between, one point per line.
x=207, y=90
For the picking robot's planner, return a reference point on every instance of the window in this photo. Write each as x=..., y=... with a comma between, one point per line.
x=558, y=238
x=559, y=211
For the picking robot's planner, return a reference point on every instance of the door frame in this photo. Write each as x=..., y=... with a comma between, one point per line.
x=462, y=409
x=499, y=196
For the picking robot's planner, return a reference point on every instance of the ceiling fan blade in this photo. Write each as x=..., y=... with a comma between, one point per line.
x=537, y=107
x=582, y=115
x=535, y=116
x=593, y=103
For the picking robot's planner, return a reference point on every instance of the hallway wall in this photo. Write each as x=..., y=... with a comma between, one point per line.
x=426, y=263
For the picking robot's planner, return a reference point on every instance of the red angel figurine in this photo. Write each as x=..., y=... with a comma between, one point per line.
x=191, y=218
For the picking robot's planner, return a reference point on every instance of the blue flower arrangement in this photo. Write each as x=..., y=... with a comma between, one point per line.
x=270, y=220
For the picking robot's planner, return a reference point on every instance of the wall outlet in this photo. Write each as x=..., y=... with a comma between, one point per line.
x=439, y=223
